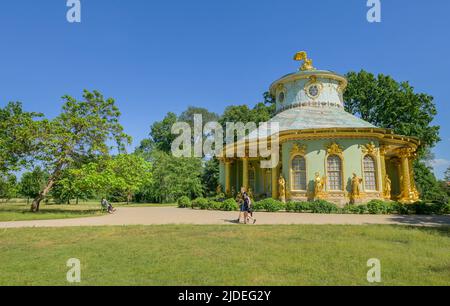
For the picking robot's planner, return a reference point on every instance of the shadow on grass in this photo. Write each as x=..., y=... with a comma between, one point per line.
x=422, y=220
x=54, y=211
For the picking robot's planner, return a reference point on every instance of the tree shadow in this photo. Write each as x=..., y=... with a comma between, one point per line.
x=53, y=211
x=430, y=223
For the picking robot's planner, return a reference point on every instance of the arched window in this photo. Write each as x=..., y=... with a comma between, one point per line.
x=370, y=177
x=299, y=173
x=334, y=172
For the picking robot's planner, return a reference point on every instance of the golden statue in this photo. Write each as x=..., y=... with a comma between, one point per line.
x=250, y=193
x=319, y=184
x=356, y=190
x=219, y=190
x=387, y=187
x=307, y=62
x=282, y=188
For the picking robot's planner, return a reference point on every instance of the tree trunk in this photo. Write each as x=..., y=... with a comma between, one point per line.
x=37, y=201
x=76, y=201
x=129, y=198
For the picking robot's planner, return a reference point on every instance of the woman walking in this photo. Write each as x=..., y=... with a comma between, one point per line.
x=248, y=211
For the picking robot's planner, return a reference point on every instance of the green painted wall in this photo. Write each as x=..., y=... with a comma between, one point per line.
x=315, y=158
x=315, y=162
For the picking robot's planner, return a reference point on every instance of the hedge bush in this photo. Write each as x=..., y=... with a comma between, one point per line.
x=323, y=207
x=299, y=207
x=229, y=205
x=215, y=205
x=379, y=207
x=199, y=203
x=184, y=202
x=320, y=206
x=269, y=205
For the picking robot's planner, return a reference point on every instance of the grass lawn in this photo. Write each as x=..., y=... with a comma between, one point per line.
x=226, y=255
x=20, y=211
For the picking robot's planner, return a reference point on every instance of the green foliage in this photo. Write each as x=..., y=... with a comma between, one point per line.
x=229, y=205
x=8, y=186
x=379, y=207
x=427, y=184
x=161, y=133
x=323, y=207
x=299, y=207
x=130, y=173
x=18, y=131
x=82, y=131
x=118, y=178
x=188, y=116
x=269, y=205
x=355, y=209
x=200, y=202
x=387, y=103
x=32, y=183
x=215, y=205
x=184, y=202
x=242, y=113
x=210, y=176
x=173, y=178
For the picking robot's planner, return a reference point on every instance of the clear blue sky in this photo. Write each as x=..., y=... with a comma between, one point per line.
x=159, y=56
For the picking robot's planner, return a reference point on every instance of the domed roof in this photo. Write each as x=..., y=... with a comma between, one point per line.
x=311, y=99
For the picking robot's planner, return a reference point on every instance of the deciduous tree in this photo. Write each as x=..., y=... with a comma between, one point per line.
x=83, y=129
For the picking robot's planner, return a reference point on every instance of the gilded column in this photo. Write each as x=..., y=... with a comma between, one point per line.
x=405, y=154
x=245, y=173
x=228, y=177
x=275, y=183
x=383, y=169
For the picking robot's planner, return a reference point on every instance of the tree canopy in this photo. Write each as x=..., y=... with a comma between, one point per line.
x=18, y=129
x=387, y=103
x=83, y=130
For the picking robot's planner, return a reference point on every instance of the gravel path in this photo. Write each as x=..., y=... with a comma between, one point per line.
x=173, y=215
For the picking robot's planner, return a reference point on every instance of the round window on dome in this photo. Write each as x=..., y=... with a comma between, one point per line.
x=313, y=90
x=281, y=97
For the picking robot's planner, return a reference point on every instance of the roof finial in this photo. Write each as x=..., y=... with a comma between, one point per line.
x=307, y=62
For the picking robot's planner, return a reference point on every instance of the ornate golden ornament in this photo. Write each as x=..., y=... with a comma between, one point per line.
x=356, y=188
x=307, y=62
x=383, y=150
x=334, y=149
x=406, y=152
x=319, y=185
x=313, y=88
x=298, y=149
x=387, y=187
x=282, y=188
x=370, y=149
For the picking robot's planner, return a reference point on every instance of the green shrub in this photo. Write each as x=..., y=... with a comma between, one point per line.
x=290, y=206
x=229, y=205
x=298, y=207
x=401, y=209
x=215, y=205
x=442, y=208
x=434, y=208
x=201, y=203
x=379, y=207
x=269, y=205
x=303, y=207
x=184, y=202
x=323, y=207
x=355, y=209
